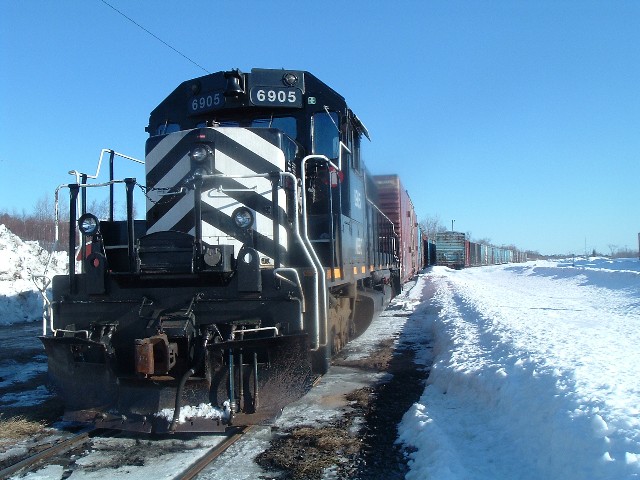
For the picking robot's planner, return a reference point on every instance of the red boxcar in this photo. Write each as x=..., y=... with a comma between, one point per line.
x=395, y=203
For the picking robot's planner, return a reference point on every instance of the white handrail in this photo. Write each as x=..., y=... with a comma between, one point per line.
x=316, y=272
x=305, y=230
x=102, y=152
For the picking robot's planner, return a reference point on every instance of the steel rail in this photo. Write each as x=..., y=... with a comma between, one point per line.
x=212, y=454
x=48, y=452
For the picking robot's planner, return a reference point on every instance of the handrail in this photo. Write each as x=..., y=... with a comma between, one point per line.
x=80, y=185
x=102, y=152
x=393, y=227
x=323, y=311
x=254, y=330
x=46, y=303
x=82, y=177
x=47, y=310
x=277, y=274
x=306, y=249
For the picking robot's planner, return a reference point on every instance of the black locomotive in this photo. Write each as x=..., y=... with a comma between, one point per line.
x=262, y=254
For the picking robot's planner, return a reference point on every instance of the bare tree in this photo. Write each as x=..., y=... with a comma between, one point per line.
x=100, y=208
x=43, y=210
x=43, y=220
x=484, y=241
x=432, y=225
x=39, y=225
x=625, y=252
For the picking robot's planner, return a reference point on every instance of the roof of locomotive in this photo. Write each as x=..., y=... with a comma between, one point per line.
x=215, y=87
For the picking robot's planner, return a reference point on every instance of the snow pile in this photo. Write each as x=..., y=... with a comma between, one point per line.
x=534, y=374
x=19, y=297
x=204, y=410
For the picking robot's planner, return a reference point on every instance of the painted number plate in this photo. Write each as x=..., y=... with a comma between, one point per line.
x=206, y=102
x=276, y=97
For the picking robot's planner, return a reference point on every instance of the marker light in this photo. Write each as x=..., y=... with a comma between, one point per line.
x=243, y=217
x=88, y=224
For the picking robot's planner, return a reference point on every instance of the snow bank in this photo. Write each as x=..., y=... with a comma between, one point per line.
x=19, y=297
x=534, y=374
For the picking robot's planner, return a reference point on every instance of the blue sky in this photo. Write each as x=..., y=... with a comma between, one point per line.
x=518, y=120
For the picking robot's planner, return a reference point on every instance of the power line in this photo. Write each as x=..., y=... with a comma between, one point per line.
x=155, y=36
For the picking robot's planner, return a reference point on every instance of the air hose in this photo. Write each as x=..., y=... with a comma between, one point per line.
x=183, y=381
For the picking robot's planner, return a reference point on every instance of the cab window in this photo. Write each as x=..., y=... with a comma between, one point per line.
x=165, y=128
x=356, y=148
x=325, y=133
x=286, y=124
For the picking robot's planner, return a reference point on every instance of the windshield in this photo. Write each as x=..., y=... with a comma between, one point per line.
x=286, y=124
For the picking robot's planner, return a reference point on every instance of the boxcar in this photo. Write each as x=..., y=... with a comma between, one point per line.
x=395, y=203
x=451, y=249
x=430, y=250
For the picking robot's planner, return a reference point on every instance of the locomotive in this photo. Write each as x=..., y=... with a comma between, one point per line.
x=262, y=253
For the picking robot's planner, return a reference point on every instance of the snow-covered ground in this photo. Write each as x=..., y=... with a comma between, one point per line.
x=535, y=373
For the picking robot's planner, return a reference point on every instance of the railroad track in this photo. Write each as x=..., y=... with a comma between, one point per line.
x=38, y=459
x=219, y=449
x=212, y=454
x=56, y=449
x=63, y=446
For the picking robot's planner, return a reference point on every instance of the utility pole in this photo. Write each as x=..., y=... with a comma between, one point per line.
x=454, y=221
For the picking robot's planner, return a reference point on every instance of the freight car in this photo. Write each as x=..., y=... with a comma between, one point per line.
x=395, y=203
x=261, y=254
x=429, y=251
x=451, y=249
x=455, y=251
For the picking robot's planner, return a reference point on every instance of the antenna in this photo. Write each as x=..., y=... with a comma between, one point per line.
x=154, y=36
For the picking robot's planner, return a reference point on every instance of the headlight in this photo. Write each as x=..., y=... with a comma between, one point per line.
x=88, y=224
x=289, y=79
x=243, y=217
x=199, y=153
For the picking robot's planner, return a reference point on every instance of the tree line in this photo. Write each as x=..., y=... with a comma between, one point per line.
x=40, y=224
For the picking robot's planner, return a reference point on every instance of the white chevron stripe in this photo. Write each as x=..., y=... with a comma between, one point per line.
x=177, y=212
x=162, y=148
x=170, y=180
x=263, y=224
x=230, y=166
x=256, y=144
